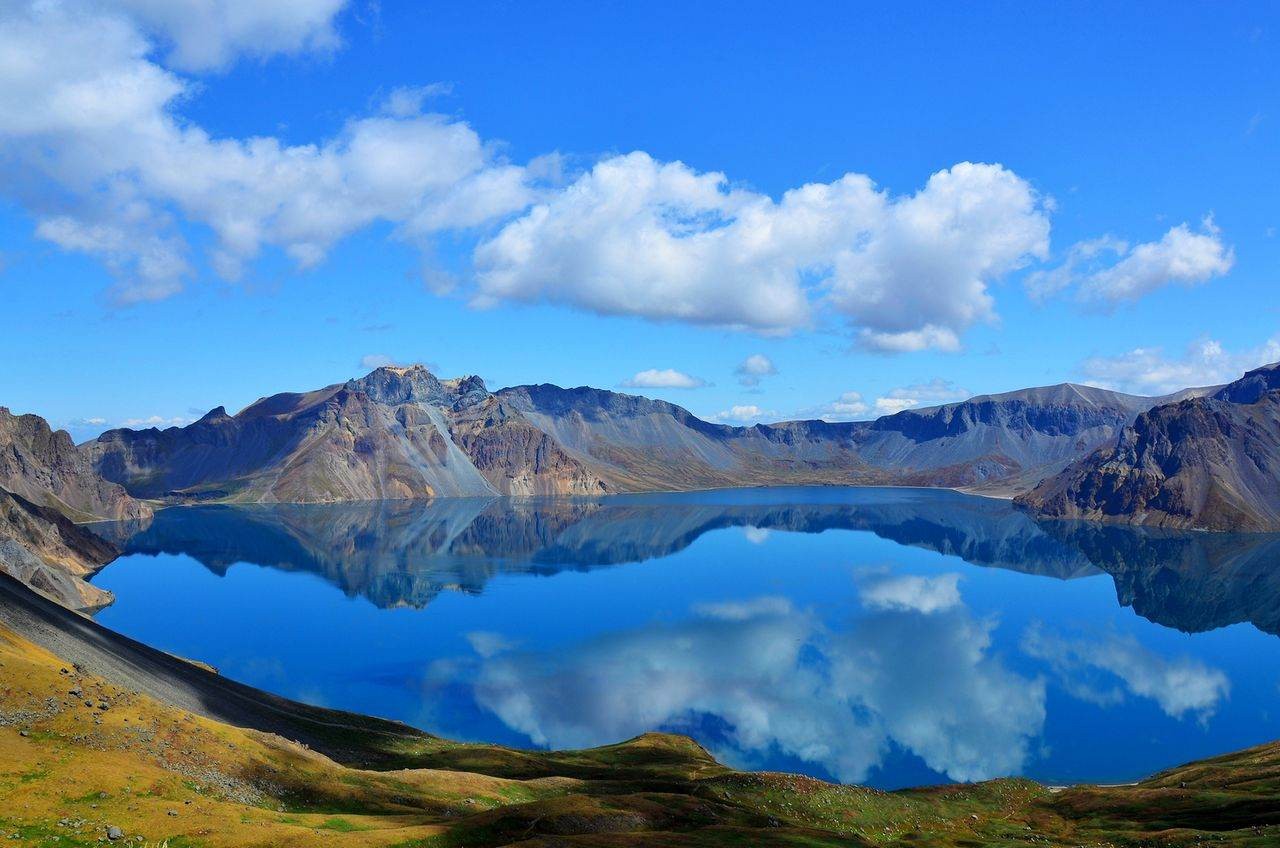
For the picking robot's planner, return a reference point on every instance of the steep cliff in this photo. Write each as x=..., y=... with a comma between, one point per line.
x=44, y=466
x=44, y=549
x=1209, y=463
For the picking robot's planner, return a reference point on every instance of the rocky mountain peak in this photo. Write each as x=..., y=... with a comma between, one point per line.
x=1253, y=385
x=395, y=385
x=218, y=413
x=466, y=390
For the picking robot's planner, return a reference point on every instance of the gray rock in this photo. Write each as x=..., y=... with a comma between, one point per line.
x=1205, y=463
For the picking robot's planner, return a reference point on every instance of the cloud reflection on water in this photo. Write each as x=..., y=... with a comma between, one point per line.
x=780, y=679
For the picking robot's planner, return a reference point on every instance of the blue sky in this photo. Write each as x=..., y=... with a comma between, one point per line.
x=202, y=206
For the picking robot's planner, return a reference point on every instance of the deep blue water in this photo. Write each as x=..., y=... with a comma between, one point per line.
x=886, y=636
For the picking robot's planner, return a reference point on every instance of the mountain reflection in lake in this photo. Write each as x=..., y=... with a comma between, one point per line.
x=890, y=636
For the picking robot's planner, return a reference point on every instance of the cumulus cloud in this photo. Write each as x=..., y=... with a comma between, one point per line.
x=755, y=368
x=1109, y=271
x=1148, y=371
x=743, y=413
x=778, y=680
x=208, y=35
x=92, y=144
x=635, y=236
x=663, y=378
x=1105, y=670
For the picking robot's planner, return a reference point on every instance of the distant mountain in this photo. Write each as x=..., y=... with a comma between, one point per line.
x=638, y=444
x=996, y=444
x=44, y=549
x=45, y=467
x=1210, y=462
x=400, y=433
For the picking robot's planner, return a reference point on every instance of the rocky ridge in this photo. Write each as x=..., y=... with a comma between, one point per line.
x=44, y=466
x=1209, y=462
x=397, y=433
x=402, y=433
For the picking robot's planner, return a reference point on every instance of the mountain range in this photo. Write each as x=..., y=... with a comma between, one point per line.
x=402, y=433
x=1200, y=458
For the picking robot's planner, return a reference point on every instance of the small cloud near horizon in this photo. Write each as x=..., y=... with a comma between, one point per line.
x=744, y=414
x=755, y=368
x=663, y=378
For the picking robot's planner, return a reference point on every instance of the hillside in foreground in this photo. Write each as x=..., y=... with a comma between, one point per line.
x=101, y=736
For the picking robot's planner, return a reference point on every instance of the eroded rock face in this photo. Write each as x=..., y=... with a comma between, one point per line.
x=45, y=550
x=1209, y=463
x=397, y=433
x=45, y=467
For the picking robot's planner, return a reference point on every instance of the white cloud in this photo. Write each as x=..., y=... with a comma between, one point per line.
x=910, y=592
x=209, y=35
x=778, y=680
x=157, y=421
x=852, y=406
x=1102, y=670
x=635, y=236
x=889, y=406
x=742, y=414
x=1107, y=270
x=755, y=368
x=407, y=101
x=936, y=391
x=663, y=378
x=371, y=361
x=93, y=145
x=1147, y=371
x=908, y=341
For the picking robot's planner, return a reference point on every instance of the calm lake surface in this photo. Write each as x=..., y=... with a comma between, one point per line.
x=884, y=636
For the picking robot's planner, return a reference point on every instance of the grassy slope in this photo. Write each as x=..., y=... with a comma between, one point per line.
x=69, y=770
